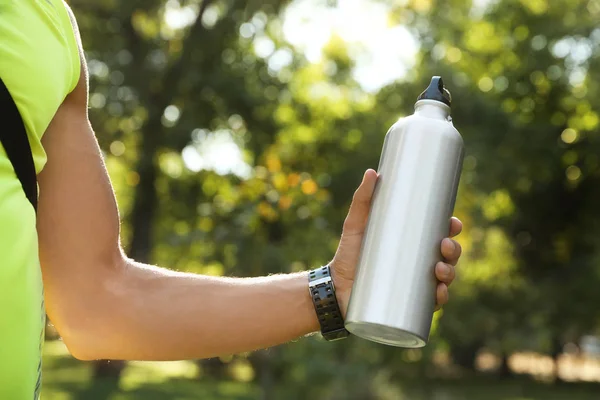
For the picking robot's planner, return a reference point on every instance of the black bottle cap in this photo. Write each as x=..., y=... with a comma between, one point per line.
x=436, y=91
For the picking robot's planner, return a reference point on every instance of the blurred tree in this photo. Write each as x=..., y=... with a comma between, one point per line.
x=525, y=103
x=149, y=75
x=231, y=154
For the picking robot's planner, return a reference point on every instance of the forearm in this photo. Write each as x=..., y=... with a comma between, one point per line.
x=148, y=313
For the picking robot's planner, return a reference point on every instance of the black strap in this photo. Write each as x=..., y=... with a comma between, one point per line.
x=328, y=311
x=16, y=145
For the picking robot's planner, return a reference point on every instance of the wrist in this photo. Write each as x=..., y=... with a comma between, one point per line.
x=343, y=287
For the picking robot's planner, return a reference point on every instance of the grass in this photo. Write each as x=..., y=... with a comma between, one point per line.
x=494, y=389
x=69, y=379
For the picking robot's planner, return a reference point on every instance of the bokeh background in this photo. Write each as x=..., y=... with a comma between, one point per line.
x=235, y=133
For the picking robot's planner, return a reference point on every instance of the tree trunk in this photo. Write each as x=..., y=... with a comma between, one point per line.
x=557, y=350
x=145, y=200
x=261, y=361
x=504, y=371
x=108, y=369
x=105, y=382
x=465, y=356
x=212, y=368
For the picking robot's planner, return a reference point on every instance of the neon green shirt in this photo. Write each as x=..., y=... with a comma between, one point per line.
x=39, y=64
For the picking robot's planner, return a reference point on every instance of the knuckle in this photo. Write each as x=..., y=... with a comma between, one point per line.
x=348, y=224
x=443, y=292
x=451, y=272
x=458, y=249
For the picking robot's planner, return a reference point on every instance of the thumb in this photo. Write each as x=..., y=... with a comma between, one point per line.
x=358, y=214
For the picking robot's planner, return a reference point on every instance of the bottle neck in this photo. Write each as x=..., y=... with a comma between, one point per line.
x=432, y=109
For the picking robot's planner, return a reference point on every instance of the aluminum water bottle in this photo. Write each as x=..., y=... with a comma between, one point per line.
x=394, y=292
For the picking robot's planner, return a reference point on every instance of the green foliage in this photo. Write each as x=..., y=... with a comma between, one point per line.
x=67, y=379
x=524, y=77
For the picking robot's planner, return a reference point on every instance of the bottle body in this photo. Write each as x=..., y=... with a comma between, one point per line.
x=393, y=297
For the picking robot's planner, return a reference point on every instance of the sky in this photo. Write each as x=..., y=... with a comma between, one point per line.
x=382, y=54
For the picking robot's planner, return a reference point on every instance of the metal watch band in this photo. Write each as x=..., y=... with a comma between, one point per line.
x=328, y=311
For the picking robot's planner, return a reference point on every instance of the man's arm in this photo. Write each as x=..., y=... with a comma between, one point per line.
x=105, y=305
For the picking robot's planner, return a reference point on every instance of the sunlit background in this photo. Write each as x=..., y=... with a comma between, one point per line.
x=381, y=52
x=235, y=133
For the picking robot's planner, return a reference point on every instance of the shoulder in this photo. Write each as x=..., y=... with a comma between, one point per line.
x=80, y=93
x=73, y=22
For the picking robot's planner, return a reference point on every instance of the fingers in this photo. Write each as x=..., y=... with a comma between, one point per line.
x=361, y=202
x=445, y=273
x=455, y=226
x=441, y=295
x=451, y=250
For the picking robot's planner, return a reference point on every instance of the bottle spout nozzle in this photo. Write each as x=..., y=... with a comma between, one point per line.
x=436, y=91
